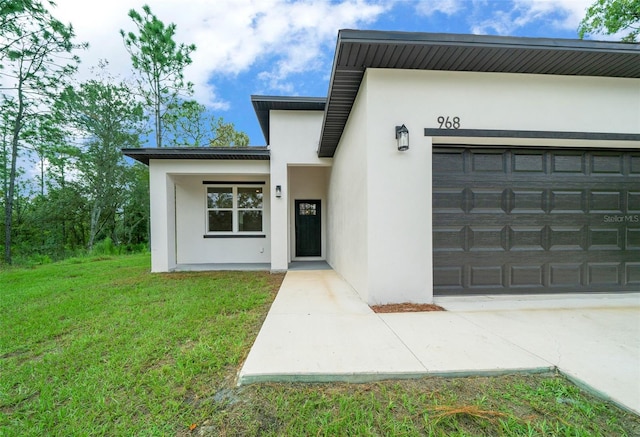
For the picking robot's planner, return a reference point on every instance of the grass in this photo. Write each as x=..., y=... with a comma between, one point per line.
x=99, y=346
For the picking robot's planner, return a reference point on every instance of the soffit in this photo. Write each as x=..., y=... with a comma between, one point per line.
x=181, y=153
x=358, y=50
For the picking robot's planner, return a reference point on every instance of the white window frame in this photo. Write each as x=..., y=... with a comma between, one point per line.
x=235, y=210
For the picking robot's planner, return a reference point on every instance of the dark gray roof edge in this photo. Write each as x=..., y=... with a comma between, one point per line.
x=262, y=105
x=322, y=152
x=200, y=150
x=303, y=100
x=352, y=74
x=381, y=36
x=143, y=155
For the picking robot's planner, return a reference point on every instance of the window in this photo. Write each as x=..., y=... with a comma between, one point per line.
x=307, y=208
x=234, y=209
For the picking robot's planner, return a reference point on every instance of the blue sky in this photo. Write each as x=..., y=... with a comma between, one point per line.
x=280, y=47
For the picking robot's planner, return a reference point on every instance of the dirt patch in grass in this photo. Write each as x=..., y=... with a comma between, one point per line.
x=275, y=281
x=406, y=308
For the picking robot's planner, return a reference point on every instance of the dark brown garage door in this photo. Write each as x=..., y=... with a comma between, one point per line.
x=535, y=220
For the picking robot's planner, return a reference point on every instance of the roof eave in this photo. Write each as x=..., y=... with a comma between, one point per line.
x=144, y=155
x=263, y=105
x=347, y=71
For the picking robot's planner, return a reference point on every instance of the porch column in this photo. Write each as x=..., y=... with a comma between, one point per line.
x=279, y=217
x=163, y=220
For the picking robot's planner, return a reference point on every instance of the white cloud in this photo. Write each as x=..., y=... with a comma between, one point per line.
x=231, y=36
x=447, y=7
x=557, y=14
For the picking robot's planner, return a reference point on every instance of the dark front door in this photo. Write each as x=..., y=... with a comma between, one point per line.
x=308, y=228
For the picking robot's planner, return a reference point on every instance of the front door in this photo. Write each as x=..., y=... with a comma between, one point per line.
x=308, y=228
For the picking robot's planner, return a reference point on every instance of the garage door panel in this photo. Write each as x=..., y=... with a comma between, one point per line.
x=527, y=276
x=527, y=238
x=449, y=200
x=633, y=202
x=605, y=239
x=569, y=202
x=487, y=239
x=488, y=162
x=528, y=201
x=488, y=201
x=486, y=277
x=564, y=238
x=449, y=162
x=449, y=239
x=632, y=273
x=567, y=162
x=609, y=202
x=449, y=277
x=535, y=220
x=604, y=273
x=632, y=239
x=611, y=164
x=566, y=275
x=529, y=162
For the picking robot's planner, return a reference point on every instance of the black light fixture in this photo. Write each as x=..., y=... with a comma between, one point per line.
x=278, y=191
x=402, y=137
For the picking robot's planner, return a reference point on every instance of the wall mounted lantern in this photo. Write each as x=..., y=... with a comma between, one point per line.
x=402, y=137
x=278, y=191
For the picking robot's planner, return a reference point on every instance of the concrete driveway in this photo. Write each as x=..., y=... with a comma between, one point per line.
x=318, y=329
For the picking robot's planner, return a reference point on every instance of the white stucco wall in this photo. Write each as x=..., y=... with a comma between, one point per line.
x=399, y=205
x=391, y=262
x=514, y=101
x=293, y=142
x=178, y=202
x=348, y=237
x=162, y=211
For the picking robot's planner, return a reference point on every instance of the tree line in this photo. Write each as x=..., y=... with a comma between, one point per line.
x=65, y=186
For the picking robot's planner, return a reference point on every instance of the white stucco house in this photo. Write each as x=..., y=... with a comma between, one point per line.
x=521, y=175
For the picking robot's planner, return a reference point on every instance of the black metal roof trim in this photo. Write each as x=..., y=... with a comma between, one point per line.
x=553, y=135
x=233, y=182
x=357, y=50
x=457, y=40
x=263, y=104
x=233, y=153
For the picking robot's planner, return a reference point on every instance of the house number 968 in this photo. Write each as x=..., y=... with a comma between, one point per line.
x=449, y=122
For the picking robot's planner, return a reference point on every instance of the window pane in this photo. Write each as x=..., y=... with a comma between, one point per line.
x=249, y=221
x=307, y=209
x=218, y=197
x=249, y=197
x=220, y=221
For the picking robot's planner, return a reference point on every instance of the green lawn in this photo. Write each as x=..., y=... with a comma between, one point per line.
x=102, y=347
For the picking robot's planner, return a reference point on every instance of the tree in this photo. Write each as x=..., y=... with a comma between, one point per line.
x=611, y=17
x=36, y=54
x=12, y=13
x=135, y=225
x=190, y=124
x=108, y=118
x=159, y=63
x=45, y=138
x=226, y=135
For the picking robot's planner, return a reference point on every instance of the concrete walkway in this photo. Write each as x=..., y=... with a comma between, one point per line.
x=318, y=329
